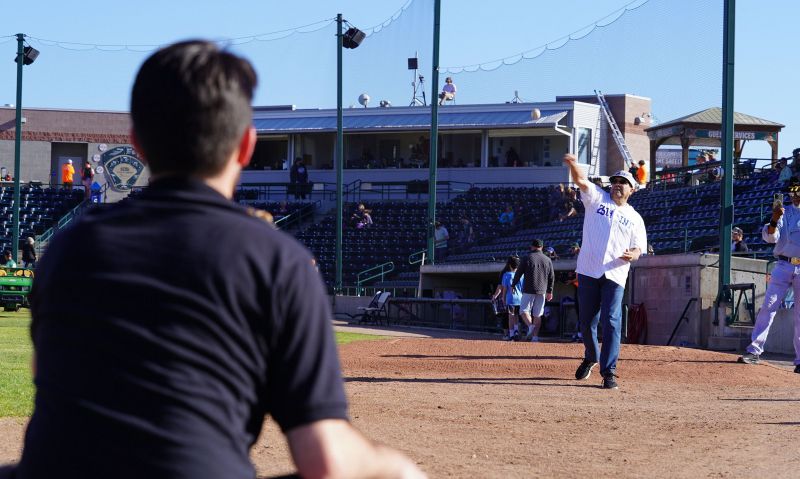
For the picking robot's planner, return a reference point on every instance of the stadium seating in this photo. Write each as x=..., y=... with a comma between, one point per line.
x=39, y=209
x=679, y=219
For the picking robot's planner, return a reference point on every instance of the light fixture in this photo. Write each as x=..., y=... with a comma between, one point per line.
x=28, y=56
x=353, y=37
x=385, y=103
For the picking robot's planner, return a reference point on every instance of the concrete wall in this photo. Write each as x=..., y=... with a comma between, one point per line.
x=665, y=284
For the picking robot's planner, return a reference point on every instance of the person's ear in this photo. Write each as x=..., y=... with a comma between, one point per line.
x=247, y=144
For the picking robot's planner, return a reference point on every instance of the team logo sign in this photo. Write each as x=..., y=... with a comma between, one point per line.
x=122, y=167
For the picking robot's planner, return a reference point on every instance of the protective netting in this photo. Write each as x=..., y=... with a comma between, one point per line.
x=668, y=50
x=644, y=51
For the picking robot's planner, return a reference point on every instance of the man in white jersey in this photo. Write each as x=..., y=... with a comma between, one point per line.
x=783, y=231
x=613, y=236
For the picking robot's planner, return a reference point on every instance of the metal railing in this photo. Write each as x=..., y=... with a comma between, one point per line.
x=461, y=314
x=417, y=257
x=47, y=235
x=369, y=274
x=297, y=217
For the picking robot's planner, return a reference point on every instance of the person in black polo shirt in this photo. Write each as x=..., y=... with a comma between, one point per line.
x=169, y=368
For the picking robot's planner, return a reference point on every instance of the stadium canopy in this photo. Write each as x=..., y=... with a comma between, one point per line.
x=512, y=117
x=703, y=129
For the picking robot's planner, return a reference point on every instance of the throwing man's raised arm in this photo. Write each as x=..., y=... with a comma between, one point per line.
x=578, y=177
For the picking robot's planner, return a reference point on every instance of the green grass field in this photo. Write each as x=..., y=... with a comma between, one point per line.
x=16, y=388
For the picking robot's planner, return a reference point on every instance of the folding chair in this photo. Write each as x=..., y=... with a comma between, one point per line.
x=374, y=313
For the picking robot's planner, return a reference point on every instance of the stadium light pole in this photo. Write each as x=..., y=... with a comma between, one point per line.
x=354, y=39
x=21, y=60
x=337, y=286
x=726, y=190
x=434, y=150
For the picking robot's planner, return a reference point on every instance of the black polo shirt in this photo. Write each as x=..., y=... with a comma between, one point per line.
x=165, y=328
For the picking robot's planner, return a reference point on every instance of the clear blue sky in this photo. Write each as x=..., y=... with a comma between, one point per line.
x=473, y=31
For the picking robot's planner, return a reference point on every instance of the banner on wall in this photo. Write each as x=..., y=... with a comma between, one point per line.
x=122, y=167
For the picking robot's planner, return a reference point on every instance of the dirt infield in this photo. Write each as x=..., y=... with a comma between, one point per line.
x=485, y=408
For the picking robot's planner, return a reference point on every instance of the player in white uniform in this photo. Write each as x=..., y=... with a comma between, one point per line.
x=613, y=236
x=783, y=231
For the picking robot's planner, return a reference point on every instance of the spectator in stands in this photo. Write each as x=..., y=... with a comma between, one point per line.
x=87, y=177
x=574, y=250
x=796, y=160
x=506, y=218
x=440, y=238
x=448, y=91
x=362, y=217
x=7, y=261
x=172, y=374
x=298, y=176
x=512, y=295
x=614, y=235
x=570, y=194
x=554, y=198
x=782, y=232
x=641, y=175
x=634, y=170
x=737, y=241
x=466, y=234
x=29, y=253
x=67, y=172
x=537, y=287
x=567, y=210
x=784, y=171
x=512, y=158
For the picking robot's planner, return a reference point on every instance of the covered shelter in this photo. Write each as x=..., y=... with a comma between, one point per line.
x=704, y=129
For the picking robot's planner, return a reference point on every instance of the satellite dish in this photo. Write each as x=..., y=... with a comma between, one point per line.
x=363, y=99
x=536, y=114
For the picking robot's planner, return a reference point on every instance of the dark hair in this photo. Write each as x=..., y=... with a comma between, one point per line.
x=190, y=106
x=511, y=263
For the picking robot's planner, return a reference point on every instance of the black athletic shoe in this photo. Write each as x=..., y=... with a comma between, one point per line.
x=749, y=358
x=610, y=381
x=584, y=370
x=797, y=369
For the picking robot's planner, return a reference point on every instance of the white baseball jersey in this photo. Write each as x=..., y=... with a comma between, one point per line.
x=608, y=230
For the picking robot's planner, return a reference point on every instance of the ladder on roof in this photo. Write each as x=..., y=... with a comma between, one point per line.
x=615, y=132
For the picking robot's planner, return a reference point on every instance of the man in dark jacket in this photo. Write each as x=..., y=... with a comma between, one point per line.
x=298, y=175
x=171, y=371
x=537, y=287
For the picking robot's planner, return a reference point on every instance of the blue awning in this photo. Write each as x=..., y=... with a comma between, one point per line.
x=296, y=122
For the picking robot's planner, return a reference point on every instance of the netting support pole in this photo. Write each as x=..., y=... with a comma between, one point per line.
x=17, y=149
x=433, y=155
x=337, y=288
x=726, y=189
